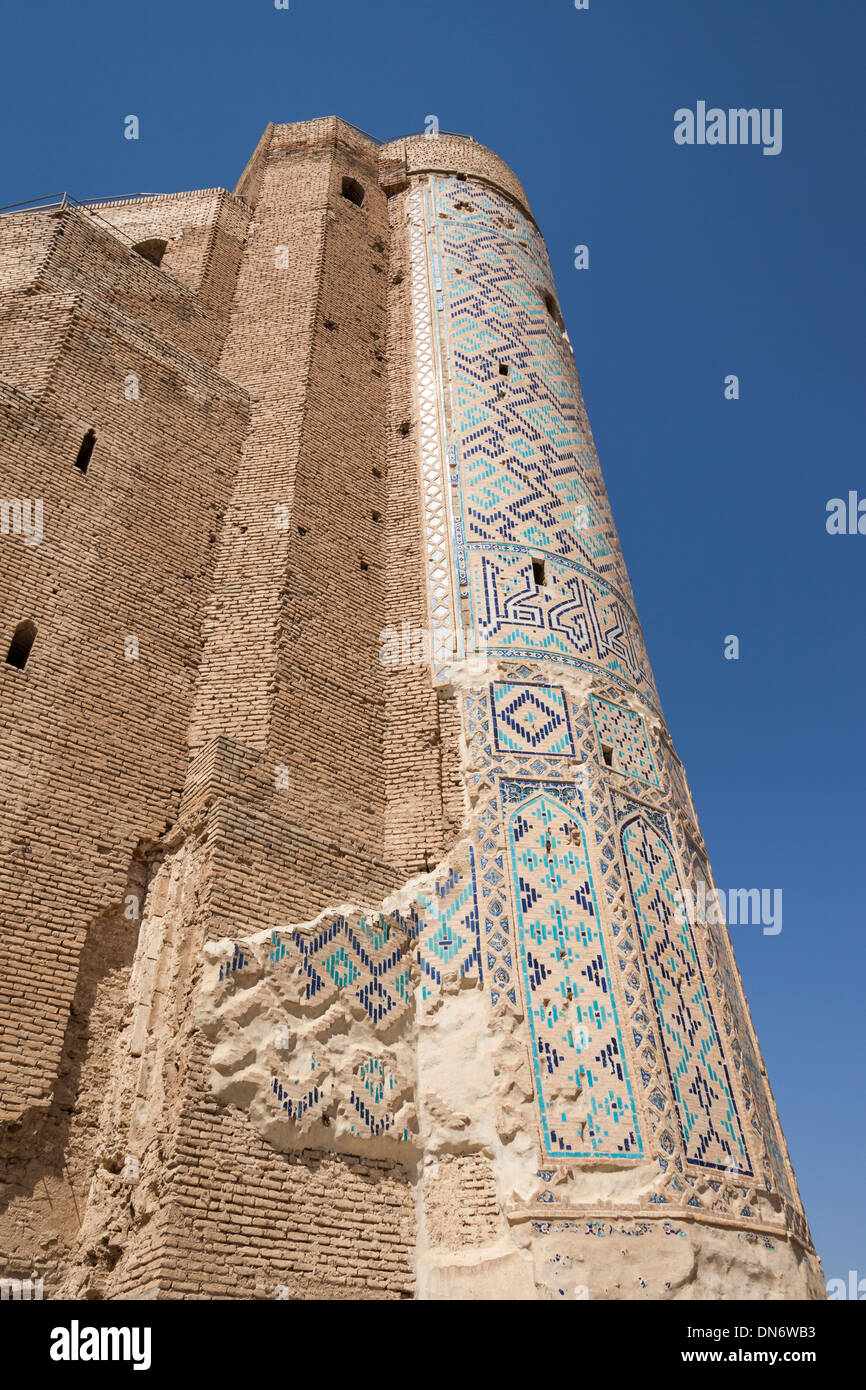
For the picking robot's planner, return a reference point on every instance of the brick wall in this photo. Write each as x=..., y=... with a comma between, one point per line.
x=254, y=519
x=93, y=744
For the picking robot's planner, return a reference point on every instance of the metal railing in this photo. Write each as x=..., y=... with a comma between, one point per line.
x=67, y=200
x=375, y=140
x=60, y=200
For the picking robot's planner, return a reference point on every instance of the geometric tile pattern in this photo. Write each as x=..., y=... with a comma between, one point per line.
x=584, y=1092
x=576, y=619
x=368, y=962
x=491, y=884
x=567, y=903
x=531, y=719
x=447, y=926
x=624, y=732
x=349, y=956
x=697, y=1070
x=523, y=480
x=436, y=522
x=723, y=1041
x=738, y=1028
x=370, y=1097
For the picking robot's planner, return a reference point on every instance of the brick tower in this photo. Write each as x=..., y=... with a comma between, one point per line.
x=346, y=857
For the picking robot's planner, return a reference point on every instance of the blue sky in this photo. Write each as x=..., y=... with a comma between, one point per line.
x=703, y=262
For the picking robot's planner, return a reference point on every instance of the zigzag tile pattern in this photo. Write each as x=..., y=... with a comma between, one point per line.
x=351, y=956
x=518, y=466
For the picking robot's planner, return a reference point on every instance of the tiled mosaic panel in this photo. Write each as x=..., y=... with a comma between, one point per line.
x=641, y=1021
x=447, y=926
x=372, y=1094
x=624, y=731
x=698, y=1073
x=530, y=476
x=584, y=1092
x=369, y=962
x=372, y=964
x=523, y=475
x=752, y=1078
x=462, y=923
x=491, y=883
x=350, y=956
x=531, y=719
x=374, y=1084
x=575, y=619
x=296, y=976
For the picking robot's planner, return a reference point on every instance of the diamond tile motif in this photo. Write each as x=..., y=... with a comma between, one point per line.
x=531, y=719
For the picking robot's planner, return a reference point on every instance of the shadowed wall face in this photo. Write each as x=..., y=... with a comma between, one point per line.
x=94, y=728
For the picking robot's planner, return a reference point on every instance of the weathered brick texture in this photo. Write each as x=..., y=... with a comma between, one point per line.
x=236, y=519
x=207, y=765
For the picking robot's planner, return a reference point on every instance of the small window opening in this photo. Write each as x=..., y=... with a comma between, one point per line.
x=353, y=191
x=377, y=516
x=22, y=640
x=302, y=530
x=405, y=427
x=607, y=754
x=377, y=472
x=364, y=565
x=152, y=250
x=503, y=369
x=85, y=451
x=553, y=309
x=539, y=576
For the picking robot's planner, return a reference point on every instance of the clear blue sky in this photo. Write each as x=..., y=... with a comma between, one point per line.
x=703, y=262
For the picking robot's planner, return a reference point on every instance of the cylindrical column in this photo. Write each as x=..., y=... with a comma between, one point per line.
x=648, y=1098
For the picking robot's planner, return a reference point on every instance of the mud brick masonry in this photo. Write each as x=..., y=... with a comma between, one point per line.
x=338, y=962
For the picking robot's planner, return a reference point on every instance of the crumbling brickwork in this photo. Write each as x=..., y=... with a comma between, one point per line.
x=336, y=958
